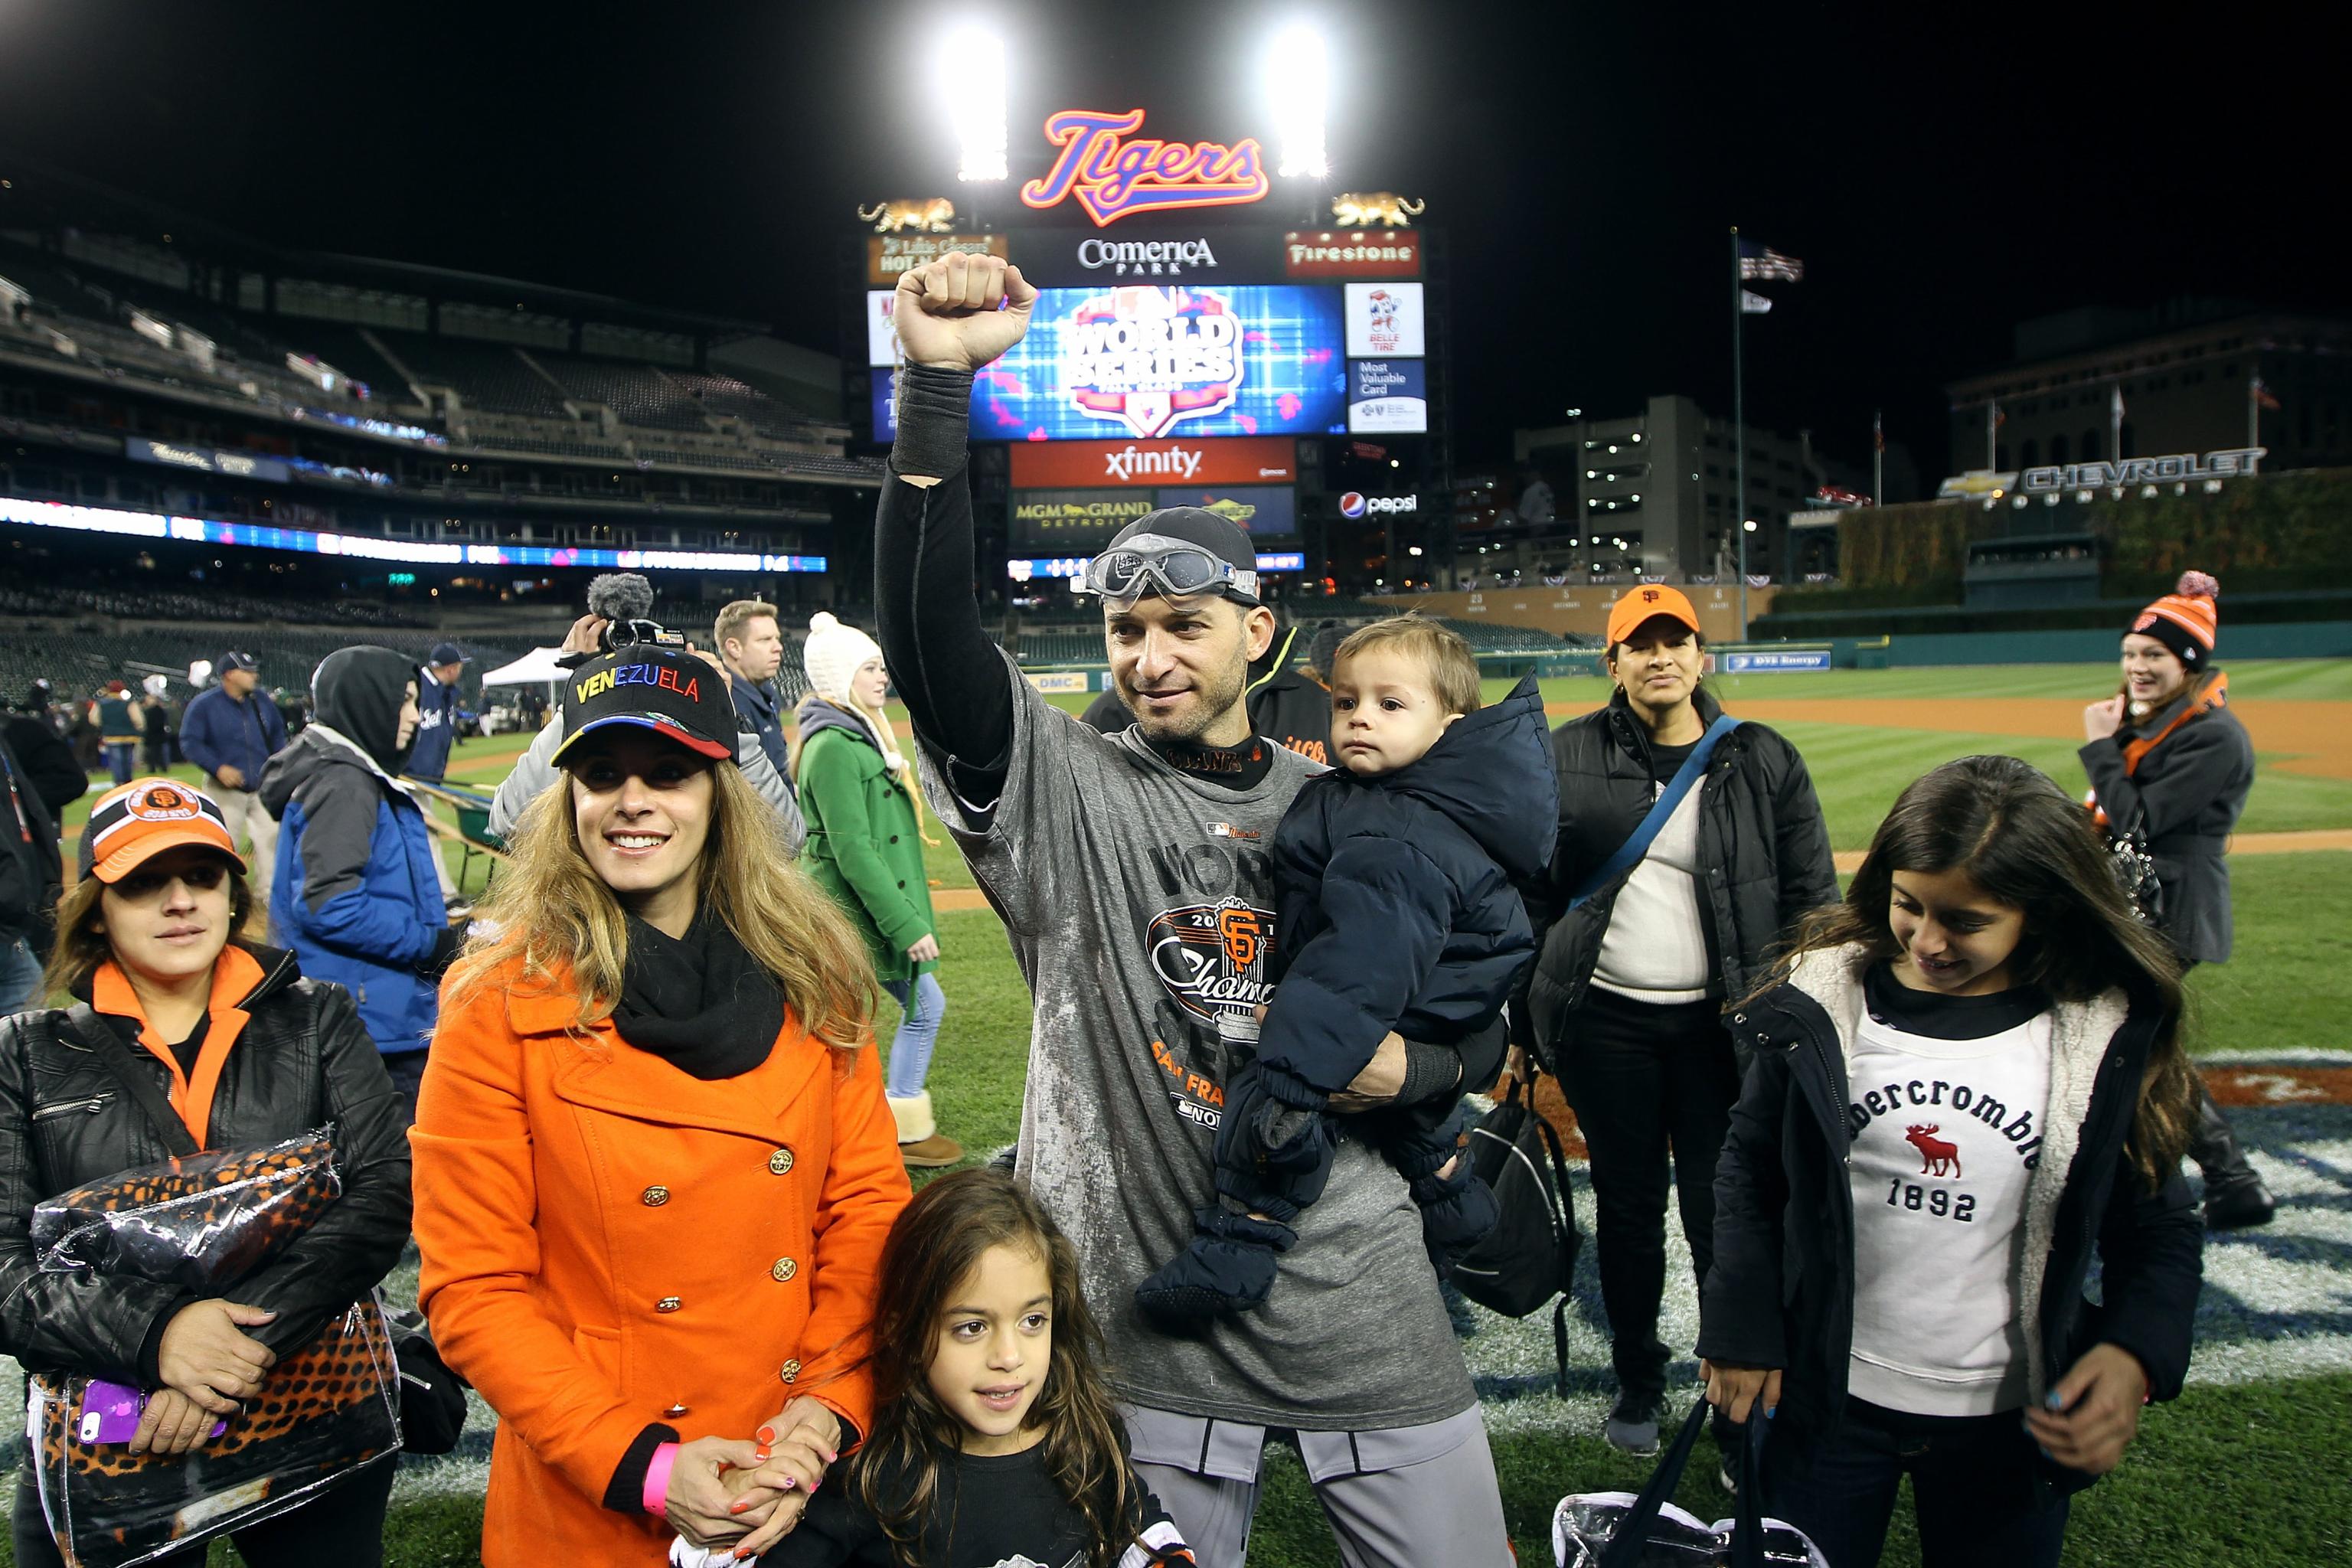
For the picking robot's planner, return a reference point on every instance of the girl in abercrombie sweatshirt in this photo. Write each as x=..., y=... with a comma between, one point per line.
x=1966, y=1077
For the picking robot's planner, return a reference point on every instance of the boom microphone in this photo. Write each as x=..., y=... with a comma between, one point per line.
x=620, y=595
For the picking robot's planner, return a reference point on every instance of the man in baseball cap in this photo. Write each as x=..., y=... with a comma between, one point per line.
x=440, y=703
x=231, y=729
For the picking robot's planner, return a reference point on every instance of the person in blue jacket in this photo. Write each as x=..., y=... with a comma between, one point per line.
x=440, y=704
x=1399, y=910
x=231, y=730
x=356, y=896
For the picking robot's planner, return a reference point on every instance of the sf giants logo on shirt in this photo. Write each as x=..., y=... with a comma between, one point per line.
x=1212, y=958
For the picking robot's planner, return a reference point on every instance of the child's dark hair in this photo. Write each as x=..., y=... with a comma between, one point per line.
x=938, y=1239
x=2020, y=839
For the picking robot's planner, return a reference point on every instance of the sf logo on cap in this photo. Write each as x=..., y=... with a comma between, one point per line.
x=162, y=804
x=1649, y=595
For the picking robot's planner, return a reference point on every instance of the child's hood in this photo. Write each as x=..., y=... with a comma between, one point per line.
x=1491, y=774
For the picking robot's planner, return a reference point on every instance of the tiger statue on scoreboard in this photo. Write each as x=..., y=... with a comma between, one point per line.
x=1364, y=209
x=933, y=214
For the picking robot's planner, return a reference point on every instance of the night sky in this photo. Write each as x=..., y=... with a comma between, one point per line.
x=1940, y=179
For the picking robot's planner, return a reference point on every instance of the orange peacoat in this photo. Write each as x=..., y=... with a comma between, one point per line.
x=609, y=1242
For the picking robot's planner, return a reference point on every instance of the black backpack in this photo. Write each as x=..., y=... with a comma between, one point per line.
x=1529, y=1257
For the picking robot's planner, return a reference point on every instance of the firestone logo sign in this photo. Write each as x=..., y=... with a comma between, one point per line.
x=1151, y=358
x=1355, y=503
x=1111, y=177
x=1155, y=259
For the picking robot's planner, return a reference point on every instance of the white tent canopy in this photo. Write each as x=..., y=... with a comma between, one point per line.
x=534, y=669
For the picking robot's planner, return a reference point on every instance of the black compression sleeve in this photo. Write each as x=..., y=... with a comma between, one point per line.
x=947, y=673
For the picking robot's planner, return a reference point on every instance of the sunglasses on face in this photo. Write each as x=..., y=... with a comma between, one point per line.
x=204, y=877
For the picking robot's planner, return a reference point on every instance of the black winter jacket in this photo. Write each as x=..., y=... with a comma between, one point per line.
x=1396, y=897
x=301, y=1061
x=1780, y=1291
x=2187, y=793
x=1761, y=837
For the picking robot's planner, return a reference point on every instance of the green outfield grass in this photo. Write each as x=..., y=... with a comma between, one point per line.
x=2253, y=1474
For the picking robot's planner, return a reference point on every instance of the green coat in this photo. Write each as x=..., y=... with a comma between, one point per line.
x=864, y=847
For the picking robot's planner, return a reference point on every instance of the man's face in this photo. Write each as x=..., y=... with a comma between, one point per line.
x=1181, y=665
x=759, y=651
x=240, y=683
x=447, y=674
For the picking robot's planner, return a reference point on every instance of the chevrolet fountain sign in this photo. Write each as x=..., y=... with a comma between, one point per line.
x=2233, y=463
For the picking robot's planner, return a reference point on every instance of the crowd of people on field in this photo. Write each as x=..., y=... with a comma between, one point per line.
x=1278, y=913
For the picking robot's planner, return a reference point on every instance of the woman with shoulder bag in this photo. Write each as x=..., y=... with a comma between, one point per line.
x=654, y=1167
x=2170, y=767
x=1690, y=843
x=248, y=1054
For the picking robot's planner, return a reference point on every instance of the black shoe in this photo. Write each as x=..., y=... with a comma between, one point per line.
x=2234, y=1194
x=1633, y=1427
x=2239, y=1204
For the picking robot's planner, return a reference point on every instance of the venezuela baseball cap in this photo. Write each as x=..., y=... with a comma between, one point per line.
x=668, y=691
x=134, y=822
x=1639, y=604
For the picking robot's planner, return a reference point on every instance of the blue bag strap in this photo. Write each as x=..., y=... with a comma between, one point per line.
x=1629, y=852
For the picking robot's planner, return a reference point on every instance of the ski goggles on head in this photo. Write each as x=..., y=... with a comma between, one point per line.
x=1172, y=568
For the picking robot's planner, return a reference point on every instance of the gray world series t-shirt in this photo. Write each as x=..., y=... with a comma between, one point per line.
x=1140, y=905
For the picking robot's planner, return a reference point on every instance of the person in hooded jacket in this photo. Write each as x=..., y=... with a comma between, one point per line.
x=247, y=1052
x=356, y=896
x=1396, y=877
x=1637, y=958
x=864, y=848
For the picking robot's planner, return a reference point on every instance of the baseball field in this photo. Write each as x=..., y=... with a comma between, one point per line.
x=2250, y=1468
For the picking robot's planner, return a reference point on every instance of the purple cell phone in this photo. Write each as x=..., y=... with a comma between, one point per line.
x=111, y=1412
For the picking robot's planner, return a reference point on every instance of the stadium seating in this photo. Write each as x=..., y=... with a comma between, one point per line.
x=483, y=375
x=638, y=393
x=146, y=603
x=79, y=663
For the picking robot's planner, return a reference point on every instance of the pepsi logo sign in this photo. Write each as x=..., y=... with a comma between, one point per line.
x=1355, y=503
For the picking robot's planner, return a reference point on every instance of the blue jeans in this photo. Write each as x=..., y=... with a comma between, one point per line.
x=20, y=977
x=919, y=1031
x=1971, y=1482
x=122, y=760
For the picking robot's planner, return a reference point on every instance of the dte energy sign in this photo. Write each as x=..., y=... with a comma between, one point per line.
x=1086, y=465
x=2233, y=463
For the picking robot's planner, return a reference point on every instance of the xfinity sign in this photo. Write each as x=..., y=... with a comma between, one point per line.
x=1153, y=257
x=1355, y=503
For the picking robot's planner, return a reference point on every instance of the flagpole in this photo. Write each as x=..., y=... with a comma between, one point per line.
x=2254, y=412
x=1877, y=458
x=2116, y=423
x=1992, y=435
x=1738, y=431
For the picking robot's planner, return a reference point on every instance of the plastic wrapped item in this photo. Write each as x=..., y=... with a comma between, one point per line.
x=325, y=1413
x=199, y=1221
x=1619, y=1530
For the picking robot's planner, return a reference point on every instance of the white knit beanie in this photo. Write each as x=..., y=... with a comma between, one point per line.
x=832, y=655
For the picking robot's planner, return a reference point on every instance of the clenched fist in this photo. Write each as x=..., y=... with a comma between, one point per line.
x=962, y=311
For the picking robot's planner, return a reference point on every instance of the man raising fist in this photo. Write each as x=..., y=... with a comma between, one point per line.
x=1131, y=877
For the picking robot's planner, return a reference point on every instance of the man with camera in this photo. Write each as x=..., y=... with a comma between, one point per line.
x=616, y=605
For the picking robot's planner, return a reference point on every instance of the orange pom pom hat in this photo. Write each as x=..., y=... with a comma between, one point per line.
x=2186, y=620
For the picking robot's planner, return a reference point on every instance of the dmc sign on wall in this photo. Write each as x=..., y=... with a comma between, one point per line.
x=2231, y=463
x=1112, y=177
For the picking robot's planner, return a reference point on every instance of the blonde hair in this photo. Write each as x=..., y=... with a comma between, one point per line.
x=558, y=921
x=1453, y=668
x=731, y=619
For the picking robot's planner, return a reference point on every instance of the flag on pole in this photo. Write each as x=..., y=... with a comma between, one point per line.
x=2263, y=395
x=2118, y=409
x=1761, y=262
x=1752, y=303
x=1877, y=434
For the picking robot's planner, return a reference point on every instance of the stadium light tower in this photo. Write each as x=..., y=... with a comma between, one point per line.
x=971, y=76
x=1297, y=85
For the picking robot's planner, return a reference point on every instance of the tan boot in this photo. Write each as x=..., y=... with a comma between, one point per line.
x=920, y=1142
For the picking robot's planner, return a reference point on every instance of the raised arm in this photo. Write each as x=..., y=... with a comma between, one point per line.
x=954, y=316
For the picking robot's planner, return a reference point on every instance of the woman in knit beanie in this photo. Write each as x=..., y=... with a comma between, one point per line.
x=2168, y=758
x=865, y=848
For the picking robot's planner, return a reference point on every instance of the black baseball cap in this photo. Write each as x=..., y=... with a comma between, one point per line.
x=1220, y=536
x=233, y=660
x=668, y=691
x=446, y=653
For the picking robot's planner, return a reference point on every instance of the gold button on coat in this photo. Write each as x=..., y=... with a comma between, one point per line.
x=790, y=1370
x=780, y=1164
x=784, y=1269
x=654, y=1197
x=667, y=1304
x=674, y=1411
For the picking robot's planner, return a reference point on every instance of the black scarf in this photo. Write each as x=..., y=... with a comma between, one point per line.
x=700, y=1003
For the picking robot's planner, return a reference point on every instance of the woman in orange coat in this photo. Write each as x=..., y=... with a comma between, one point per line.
x=654, y=1167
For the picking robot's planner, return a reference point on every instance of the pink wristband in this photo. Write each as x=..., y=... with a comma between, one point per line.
x=657, y=1495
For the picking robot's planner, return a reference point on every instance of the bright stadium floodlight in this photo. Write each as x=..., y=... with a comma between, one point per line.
x=1298, y=83
x=972, y=74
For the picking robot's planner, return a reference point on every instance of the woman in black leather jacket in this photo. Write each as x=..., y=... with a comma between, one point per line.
x=248, y=1053
x=1625, y=1002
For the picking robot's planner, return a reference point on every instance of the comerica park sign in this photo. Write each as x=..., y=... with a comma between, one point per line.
x=2233, y=463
